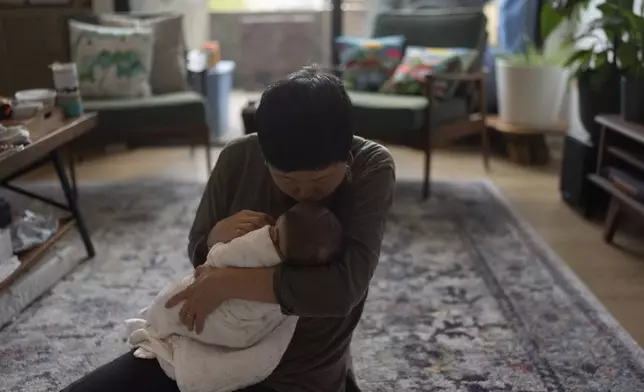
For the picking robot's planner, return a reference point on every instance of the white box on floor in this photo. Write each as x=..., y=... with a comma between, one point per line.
x=6, y=249
x=8, y=266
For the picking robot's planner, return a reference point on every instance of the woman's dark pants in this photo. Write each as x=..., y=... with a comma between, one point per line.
x=130, y=374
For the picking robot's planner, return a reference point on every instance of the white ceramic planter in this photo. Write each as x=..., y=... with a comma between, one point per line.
x=530, y=96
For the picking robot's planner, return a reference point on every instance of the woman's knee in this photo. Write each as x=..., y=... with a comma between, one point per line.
x=124, y=374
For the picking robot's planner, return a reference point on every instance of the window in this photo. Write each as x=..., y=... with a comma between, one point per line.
x=491, y=10
x=265, y=5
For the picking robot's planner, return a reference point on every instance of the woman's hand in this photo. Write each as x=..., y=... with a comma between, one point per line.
x=237, y=225
x=199, y=299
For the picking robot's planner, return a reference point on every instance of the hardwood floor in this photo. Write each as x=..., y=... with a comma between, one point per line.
x=614, y=273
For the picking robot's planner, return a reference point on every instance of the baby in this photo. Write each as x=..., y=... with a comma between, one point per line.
x=251, y=334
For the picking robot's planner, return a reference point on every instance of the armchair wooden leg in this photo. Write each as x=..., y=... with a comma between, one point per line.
x=485, y=131
x=426, y=175
x=207, y=145
x=427, y=169
x=208, y=160
x=613, y=219
x=429, y=135
x=485, y=147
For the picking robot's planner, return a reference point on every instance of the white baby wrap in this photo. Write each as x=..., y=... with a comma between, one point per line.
x=242, y=341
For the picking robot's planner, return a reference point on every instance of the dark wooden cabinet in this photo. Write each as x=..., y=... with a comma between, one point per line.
x=32, y=38
x=620, y=170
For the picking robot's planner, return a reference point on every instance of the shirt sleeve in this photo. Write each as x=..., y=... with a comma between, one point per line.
x=333, y=290
x=212, y=208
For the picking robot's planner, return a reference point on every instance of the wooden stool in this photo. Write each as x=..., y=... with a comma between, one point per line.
x=526, y=145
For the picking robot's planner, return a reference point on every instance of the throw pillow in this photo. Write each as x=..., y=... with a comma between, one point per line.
x=368, y=62
x=409, y=77
x=168, y=73
x=112, y=61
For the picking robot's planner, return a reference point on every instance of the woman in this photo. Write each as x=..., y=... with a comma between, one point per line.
x=304, y=150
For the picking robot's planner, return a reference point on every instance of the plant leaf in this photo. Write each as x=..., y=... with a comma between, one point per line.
x=550, y=20
x=580, y=56
x=601, y=76
x=627, y=54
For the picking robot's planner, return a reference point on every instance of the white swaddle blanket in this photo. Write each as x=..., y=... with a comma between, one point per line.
x=242, y=341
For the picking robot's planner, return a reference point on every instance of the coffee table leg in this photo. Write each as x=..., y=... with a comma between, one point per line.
x=72, y=202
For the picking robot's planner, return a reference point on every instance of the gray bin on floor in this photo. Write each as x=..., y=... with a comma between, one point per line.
x=218, y=85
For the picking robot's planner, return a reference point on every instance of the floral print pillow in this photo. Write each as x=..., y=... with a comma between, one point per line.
x=409, y=76
x=112, y=61
x=368, y=62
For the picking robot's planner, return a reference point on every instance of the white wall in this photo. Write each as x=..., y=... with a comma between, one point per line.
x=196, y=16
x=102, y=6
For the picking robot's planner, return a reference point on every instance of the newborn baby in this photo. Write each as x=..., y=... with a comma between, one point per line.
x=239, y=335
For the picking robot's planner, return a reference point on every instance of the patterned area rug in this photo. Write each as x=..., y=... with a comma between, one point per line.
x=466, y=298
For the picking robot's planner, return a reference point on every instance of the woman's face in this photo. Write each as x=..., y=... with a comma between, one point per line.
x=310, y=185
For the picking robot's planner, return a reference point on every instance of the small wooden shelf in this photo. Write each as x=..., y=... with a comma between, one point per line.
x=615, y=123
x=626, y=156
x=30, y=258
x=622, y=191
x=609, y=187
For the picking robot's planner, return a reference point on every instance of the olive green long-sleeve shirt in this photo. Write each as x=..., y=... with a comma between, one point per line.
x=329, y=299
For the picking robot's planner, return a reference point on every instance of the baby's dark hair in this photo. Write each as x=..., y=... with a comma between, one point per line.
x=313, y=234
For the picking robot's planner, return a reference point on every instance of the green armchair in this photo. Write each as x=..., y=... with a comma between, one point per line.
x=170, y=119
x=421, y=121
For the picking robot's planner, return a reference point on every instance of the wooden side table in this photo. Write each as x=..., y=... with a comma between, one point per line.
x=526, y=145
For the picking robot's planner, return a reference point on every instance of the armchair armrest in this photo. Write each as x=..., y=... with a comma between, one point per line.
x=459, y=77
x=476, y=80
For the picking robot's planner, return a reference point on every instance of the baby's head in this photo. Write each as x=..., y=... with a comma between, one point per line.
x=308, y=234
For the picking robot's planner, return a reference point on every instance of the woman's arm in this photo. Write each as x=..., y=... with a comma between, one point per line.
x=211, y=210
x=250, y=284
x=335, y=289
x=332, y=290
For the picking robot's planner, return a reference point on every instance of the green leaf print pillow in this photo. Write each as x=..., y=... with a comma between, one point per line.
x=112, y=61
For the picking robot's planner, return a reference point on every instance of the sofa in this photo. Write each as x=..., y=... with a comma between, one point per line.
x=40, y=36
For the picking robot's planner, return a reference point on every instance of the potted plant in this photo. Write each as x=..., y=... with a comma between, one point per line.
x=531, y=85
x=596, y=68
x=631, y=58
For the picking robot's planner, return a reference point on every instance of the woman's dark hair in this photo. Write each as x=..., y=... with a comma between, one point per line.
x=304, y=121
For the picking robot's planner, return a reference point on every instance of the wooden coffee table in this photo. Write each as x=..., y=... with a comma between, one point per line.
x=48, y=139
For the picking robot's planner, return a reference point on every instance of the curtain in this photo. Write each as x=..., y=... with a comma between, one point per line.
x=517, y=24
